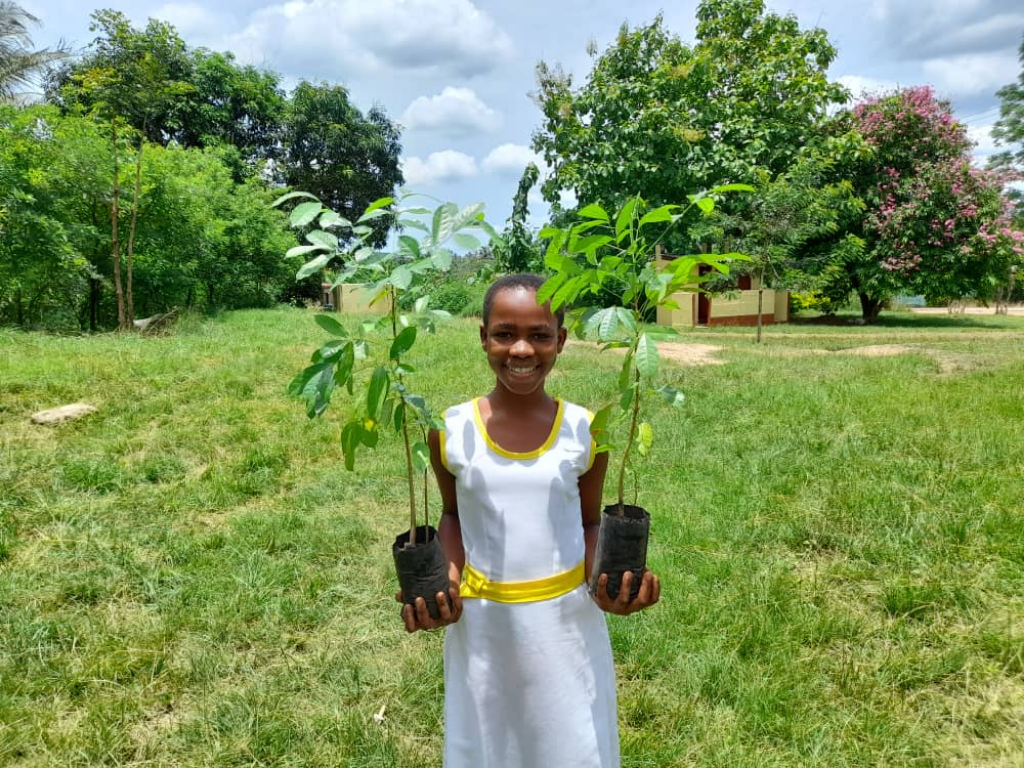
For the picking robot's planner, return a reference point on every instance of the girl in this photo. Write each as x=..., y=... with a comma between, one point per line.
x=529, y=679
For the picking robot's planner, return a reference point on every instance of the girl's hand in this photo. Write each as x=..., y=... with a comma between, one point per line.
x=650, y=591
x=449, y=606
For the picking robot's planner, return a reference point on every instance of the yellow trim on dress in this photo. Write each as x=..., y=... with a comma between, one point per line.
x=475, y=584
x=536, y=453
x=441, y=446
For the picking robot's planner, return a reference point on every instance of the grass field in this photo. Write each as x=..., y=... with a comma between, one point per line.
x=190, y=578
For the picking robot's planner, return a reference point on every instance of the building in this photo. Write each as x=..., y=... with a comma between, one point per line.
x=739, y=308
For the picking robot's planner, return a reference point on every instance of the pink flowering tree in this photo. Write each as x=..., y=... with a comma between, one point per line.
x=932, y=223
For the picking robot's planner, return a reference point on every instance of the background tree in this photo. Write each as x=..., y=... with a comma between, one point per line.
x=932, y=223
x=670, y=119
x=1009, y=128
x=518, y=250
x=19, y=62
x=335, y=153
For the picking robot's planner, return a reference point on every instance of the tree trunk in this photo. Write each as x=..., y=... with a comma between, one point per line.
x=869, y=307
x=131, y=226
x=115, y=245
x=760, y=311
x=94, y=303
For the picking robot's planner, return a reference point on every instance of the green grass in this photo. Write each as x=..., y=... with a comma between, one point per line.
x=190, y=577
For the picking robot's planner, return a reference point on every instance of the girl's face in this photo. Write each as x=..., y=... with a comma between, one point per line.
x=522, y=340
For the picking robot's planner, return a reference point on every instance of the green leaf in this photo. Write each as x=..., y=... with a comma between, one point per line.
x=443, y=223
x=331, y=325
x=593, y=211
x=314, y=385
x=291, y=196
x=730, y=188
x=382, y=202
x=401, y=278
x=330, y=219
x=442, y=258
x=371, y=215
x=326, y=239
x=645, y=438
x=369, y=434
x=376, y=391
x=609, y=325
x=664, y=213
x=626, y=398
x=313, y=265
x=673, y=396
x=468, y=242
x=706, y=204
x=646, y=357
x=421, y=303
x=403, y=342
x=351, y=436
x=399, y=417
x=345, y=363
x=547, y=290
x=302, y=250
x=421, y=456
x=624, y=221
x=410, y=245
x=626, y=373
x=599, y=425
x=304, y=213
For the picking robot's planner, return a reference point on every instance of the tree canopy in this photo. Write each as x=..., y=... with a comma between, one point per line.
x=667, y=119
x=19, y=62
x=932, y=223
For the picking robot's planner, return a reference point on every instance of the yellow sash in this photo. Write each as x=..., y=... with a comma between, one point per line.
x=475, y=584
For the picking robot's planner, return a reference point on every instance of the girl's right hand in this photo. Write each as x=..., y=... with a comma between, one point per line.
x=449, y=606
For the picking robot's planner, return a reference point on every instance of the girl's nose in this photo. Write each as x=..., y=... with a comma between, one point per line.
x=522, y=348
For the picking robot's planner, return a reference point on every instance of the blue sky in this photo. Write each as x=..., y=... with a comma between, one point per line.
x=457, y=74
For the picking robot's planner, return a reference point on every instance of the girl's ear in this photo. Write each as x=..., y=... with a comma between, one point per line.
x=562, y=335
x=483, y=336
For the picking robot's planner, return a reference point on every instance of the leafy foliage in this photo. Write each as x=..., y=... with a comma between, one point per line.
x=659, y=115
x=932, y=224
x=601, y=249
x=19, y=62
x=341, y=157
x=384, y=398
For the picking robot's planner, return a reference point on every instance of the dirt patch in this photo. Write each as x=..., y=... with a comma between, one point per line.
x=677, y=352
x=691, y=354
x=881, y=350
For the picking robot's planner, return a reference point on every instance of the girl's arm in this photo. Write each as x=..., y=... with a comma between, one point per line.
x=591, y=486
x=450, y=531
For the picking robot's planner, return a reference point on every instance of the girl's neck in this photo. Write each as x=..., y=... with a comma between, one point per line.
x=501, y=399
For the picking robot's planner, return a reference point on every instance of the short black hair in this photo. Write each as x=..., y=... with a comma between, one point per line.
x=525, y=280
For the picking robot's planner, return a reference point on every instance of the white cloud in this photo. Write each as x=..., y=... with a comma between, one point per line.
x=327, y=38
x=454, y=112
x=192, y=20
x=861, y=87
x=971, y=74
x=510, y=160
x=985, y=145
x=447, y=165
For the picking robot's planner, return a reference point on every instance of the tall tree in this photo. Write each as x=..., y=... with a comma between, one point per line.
x=666, y=119
x=332, y=151
x=933, y=224
x=19, y=62
x=518, y=250
x=1009, y=129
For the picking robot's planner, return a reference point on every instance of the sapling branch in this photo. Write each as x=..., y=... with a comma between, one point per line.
x=634, y=421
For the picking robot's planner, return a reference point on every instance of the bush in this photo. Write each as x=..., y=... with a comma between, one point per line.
x=451, y=296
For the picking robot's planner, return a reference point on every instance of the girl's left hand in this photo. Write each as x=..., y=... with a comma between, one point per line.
x=620, y=605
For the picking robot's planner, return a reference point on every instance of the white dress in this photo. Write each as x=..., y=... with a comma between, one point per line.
x=527, y=684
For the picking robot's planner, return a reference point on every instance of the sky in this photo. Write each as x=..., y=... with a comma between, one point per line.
x=457, y=74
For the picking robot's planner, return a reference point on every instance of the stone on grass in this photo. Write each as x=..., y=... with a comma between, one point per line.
x=62, y=414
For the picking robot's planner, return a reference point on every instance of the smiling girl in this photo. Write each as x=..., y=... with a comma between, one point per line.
x=529, y=678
